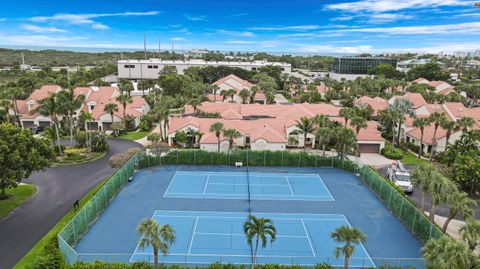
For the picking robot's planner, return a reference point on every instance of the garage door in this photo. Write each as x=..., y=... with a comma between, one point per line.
x=28, y=124
x=44, y=123
x=369, y=148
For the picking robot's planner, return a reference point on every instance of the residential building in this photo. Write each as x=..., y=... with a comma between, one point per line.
x=376, y=103
x=416, y=99
x=441, y=87
x=234, y=82
x=264, y=127
x=95, y=100
x=149, y=69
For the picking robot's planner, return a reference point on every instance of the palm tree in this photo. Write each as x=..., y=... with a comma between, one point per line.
x=50, y=107
x=195, y=103
x=224, y=94
x=124, y=100
x=230, y=134
x=253, y=91
x=438, y=187
x=465, y=123
x=86, y=117
x=215, y=88
x=244, y=94
x=217, y=128
x=459, y=203
x=422, y=177
x=305, y=126
x=14, y=93
x=447, y=253
x=70, y=103
x=111, y=108
x=125, y=86
x=321, y=120
x=358, y=123
x=347, y=113
x=6, y=104
x=421, y=123
x=436, y=118
x=159, y=238
x=403, y=106
x=450, y=127
x=257, y=229
x=350, y=237
x=471, y=234
x=144, y=85
x=345, y=140
x=324, y=136
x=231, y=93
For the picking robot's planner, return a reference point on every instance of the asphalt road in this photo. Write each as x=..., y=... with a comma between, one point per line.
x=57, y=189
x=416, y=198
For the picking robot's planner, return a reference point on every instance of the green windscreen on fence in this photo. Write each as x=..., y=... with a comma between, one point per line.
x=86, y=216
x=401, y=207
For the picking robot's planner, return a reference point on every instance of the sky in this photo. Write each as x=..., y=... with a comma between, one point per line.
x=287, y=26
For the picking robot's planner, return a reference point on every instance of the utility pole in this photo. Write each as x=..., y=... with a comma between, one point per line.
x=159, y=49
x=145, y=46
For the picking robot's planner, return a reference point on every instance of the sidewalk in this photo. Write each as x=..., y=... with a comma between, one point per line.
x=144, y=140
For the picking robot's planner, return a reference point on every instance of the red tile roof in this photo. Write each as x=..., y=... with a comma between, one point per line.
x=376, y=103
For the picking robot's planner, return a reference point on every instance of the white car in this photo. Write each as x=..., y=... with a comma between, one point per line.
x=400, y=177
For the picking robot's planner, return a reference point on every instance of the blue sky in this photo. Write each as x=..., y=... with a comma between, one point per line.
x=306, y=26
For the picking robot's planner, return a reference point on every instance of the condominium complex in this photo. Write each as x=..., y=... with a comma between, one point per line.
x=148, y=69
x=359, y=65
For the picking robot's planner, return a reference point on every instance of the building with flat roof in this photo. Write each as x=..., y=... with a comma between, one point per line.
x=359, y=65
x=148, y=69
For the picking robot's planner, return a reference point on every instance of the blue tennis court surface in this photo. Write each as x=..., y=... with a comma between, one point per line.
x=208, y=237
x=235, y=185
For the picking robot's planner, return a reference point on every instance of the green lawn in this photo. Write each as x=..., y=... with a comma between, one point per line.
x=134, y=135
x=20, y=194
x=37, y=250
x=410, y=158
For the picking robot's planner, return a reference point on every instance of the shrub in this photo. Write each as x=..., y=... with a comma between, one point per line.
x=74, y=151
x=81, y=138
x=119, y=159
x=413, y=147
x=129, y=123
x=118, y=128
x=391, y=152
x=146, y=123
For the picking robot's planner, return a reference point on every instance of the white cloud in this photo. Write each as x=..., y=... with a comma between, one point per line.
x=297, y=35
x=177, y=38
x=196, y=18
x=87, y=19
x=388, y=17
x=235, y=33
x=287, y=28
x=40, y=29
x=334, y=49
x=239, y=42
x=237, y=15
x=393, y=5
x=38, y=40
x=3, y=19
x=460, y=28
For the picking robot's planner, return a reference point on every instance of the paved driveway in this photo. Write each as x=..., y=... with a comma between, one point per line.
x=375, y=160
x=57, y=189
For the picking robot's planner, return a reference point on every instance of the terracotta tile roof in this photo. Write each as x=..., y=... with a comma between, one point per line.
x=428, y=134
x=416, y=99
x=376, y=103
x=446, y=91
x=22, y=107
x=43, y=92
x=82, y=90
x=243, y=83
x=421, y=80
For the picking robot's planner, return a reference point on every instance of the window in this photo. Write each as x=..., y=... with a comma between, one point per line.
x=132, y=66
x=155, y=67
x=126, y=66
x=92, y=107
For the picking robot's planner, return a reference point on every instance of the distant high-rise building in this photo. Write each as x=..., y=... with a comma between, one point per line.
x=359, y=65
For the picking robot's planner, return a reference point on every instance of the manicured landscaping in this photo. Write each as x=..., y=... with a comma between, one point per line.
x=38, y=249
x=410, y=158
x=79, y=159
x=17, y=196
x=134, y=135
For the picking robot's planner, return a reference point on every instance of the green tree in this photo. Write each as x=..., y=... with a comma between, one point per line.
x=422, y=178
x=125, y=86
x=346, y=140
x=50, y=107
x=447, y=253
x=5, y=104
x=438, y=187
x=402, y=106
x=321, y=120
x=451, y=127
x=430, y=71
x=86, y=117
x=324, y=135
x=14, y=94
x=421, y=123
x=22, y=155
x=465, y=123
x=305, y=126
x=111, y=108
x=358, y=123
x=159, y=238
x=253, y=91
x=217, y=128
x=458, y=203
x=470, y=233
x=195, y=103
x=124, y=100
x=244, y=94
x=436, y=118
x=349, y=237
x=467, y=172
x=231, y=135
x=69, y=104
x=256, y=230
x=347, y=113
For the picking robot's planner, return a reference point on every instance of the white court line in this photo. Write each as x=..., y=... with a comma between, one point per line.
x=259, y=174
x=341, y=216
x=253, y=196
x=323, y=183
x=168, y=187
x=368, y=255
x=278, y=236
x=245, y=184
x=308, y=237
x=193, y=236
x=206, y=184
x=289, y=186
x=242, y=217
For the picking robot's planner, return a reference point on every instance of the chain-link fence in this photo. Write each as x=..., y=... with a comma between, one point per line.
x=407, y=213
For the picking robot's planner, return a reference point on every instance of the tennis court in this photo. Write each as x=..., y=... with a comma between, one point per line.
x=208, y=237
x=237, y=185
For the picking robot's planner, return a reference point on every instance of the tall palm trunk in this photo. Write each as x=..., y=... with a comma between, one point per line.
x=15, y=112
x=111, y=115
x=434, y=143
x=420, y=150
x=447, y=137
x=422, y=207
x=57, y=134
x=155, y=258
x=398, y=133
x=346, y=262
x=305, y=141
x=323, y=148
x=445, y=225
x=70, y=116
x=218, y=144
x=86, y=135
x=254, y=256
x=432, y=212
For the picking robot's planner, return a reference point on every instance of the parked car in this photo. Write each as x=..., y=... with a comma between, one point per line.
x=400, y=176
x=36, y=129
